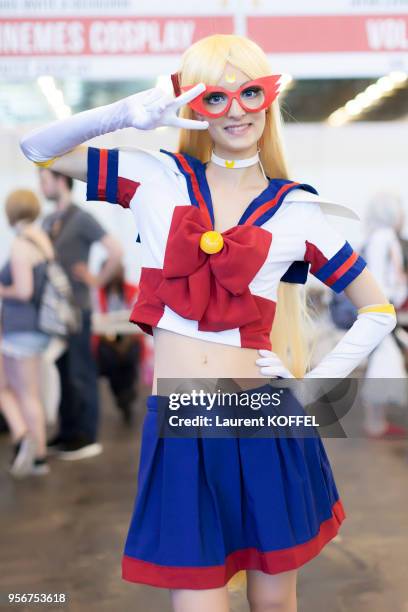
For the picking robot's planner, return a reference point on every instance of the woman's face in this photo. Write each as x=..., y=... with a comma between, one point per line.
x=237, y=132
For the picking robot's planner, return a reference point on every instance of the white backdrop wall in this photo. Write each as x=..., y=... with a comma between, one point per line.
x=348, y=165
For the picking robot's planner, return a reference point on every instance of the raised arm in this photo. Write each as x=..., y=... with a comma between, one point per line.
x=58, y=145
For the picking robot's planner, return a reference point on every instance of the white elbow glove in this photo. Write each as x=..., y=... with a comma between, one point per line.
x=145, y=110
x=372, y=325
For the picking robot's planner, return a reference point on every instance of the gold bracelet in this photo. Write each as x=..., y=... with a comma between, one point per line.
x=377, y=308
x=45, y=164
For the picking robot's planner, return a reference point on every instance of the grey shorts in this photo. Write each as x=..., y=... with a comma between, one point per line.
x=24, y=344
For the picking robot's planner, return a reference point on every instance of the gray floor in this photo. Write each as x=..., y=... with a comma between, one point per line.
x=65, y=532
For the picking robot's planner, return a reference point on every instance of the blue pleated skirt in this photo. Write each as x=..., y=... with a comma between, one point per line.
x=207, y=508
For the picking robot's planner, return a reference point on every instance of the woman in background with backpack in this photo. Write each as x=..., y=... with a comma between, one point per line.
x=22, y=342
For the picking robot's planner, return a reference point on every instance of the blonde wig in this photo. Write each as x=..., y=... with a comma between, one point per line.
x=204, y=62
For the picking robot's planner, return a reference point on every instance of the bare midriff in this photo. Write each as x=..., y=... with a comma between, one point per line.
x=178, y=356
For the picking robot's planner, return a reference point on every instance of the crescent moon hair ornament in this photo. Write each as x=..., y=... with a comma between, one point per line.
x=230, y=77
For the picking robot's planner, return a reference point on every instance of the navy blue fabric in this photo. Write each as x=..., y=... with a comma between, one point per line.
x=191, y=194
x=20, y=315
x=79, y=400
x=335, y=262
x=296, y=273
x=112, y=177
x=269, y=194
x=200, y=499
x=93, y=174
x=350, y=275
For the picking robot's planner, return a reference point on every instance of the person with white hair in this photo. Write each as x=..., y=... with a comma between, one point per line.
x=383, y=254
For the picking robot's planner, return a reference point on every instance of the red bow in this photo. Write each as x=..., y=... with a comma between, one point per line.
x=212, y=289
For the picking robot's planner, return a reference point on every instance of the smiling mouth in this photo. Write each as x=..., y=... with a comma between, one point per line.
x=237, y=129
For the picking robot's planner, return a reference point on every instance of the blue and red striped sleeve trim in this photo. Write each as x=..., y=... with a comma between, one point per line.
x=102, y=183
x=338, y=271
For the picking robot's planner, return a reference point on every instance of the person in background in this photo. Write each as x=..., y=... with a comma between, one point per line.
x=73, y=231
x=384, y=256
x=21, y=281
x=118, y=355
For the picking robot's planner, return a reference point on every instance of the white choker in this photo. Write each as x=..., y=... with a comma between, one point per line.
x=239, y=163
x=235, y=163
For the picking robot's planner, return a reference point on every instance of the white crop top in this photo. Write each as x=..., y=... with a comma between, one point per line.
x=228, y=296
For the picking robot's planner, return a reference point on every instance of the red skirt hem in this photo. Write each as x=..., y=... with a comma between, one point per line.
x=211, y=577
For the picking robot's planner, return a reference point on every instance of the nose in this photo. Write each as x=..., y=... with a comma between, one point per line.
x=235, y=109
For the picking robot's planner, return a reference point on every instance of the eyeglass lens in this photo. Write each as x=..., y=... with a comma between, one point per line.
x=252, y=97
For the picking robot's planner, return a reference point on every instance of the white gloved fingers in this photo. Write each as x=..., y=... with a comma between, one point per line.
x=268, y=358
x=151, y=95
x=156, y=108
x=145, y=109
x=268, y=361
x=64, y=135
x=267, y=353
x=162, y=102
x=189, y=95
x=274, y=371
x=271, y=364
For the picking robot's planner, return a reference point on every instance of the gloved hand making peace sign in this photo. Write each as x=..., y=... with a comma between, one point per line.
x=154, y=108
x=145, y=110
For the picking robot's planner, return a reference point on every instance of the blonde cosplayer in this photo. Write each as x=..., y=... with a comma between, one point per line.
x=244, y=507
x=204, y=62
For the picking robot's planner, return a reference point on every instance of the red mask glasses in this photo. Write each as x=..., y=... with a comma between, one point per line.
x=215, y=101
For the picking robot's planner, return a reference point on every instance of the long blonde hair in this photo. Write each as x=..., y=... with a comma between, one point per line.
x=205, y=62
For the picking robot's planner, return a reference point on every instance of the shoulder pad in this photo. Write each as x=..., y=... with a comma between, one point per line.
x=329, y=207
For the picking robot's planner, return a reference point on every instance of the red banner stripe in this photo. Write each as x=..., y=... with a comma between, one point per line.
x=107, y=35
x=329, y=33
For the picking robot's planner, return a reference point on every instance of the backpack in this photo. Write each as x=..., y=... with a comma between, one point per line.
x=57, y=313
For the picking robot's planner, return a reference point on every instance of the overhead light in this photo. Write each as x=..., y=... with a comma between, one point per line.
x=339, y=117
x=373, y=92
x=398, y=77
x=353, y=107
x=363, y=100
x=385, y=83
x=385, y=86
x=54, y=96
